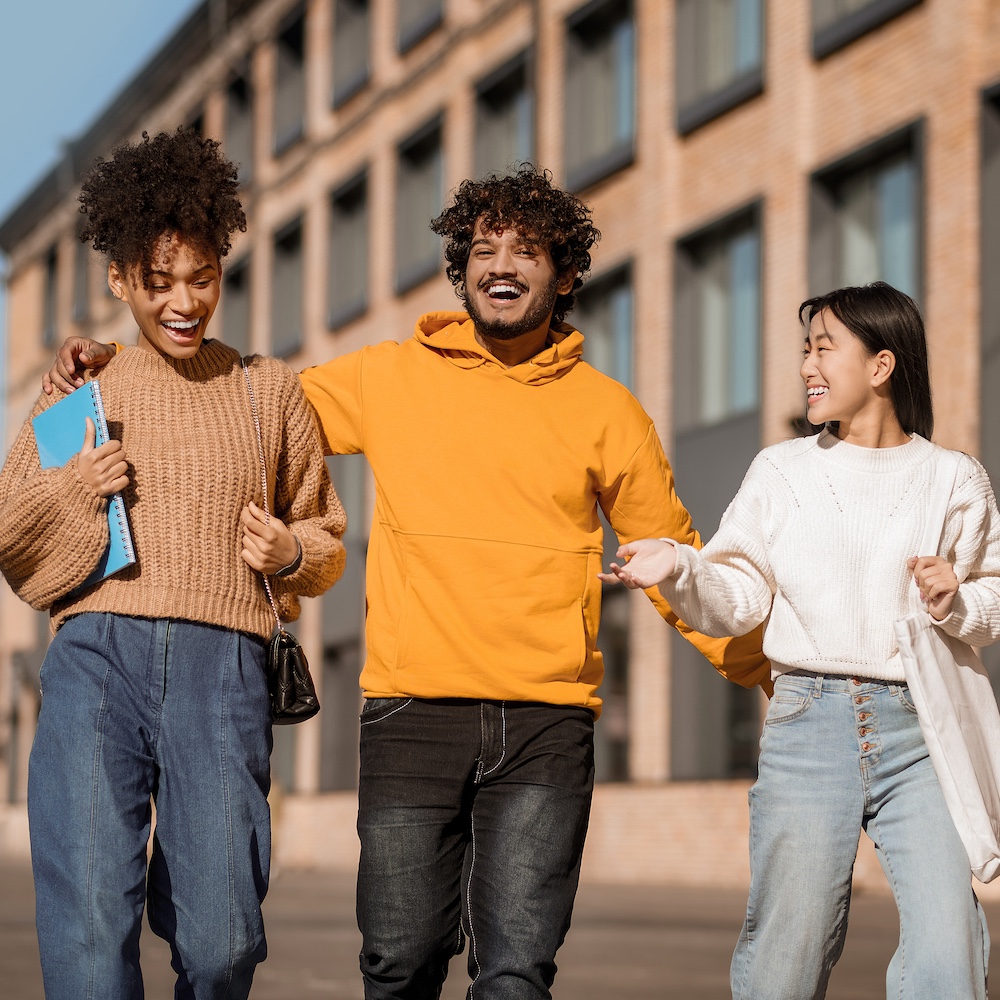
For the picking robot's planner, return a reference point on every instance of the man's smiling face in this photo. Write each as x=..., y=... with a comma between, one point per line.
x=510, y=284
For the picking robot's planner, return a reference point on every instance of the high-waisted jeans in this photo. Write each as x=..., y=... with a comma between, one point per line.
x=839, y=755
x=135, y=709
x=474, y=814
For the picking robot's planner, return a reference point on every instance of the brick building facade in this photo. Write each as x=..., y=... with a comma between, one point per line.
x=739, y=155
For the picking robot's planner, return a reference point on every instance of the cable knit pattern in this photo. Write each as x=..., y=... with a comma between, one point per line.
x=187, y=431
x=815, y=544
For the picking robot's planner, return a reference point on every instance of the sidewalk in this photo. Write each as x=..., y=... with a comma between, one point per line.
x=627, y=943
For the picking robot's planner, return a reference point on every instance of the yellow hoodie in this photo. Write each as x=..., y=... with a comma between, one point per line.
x=486, y=543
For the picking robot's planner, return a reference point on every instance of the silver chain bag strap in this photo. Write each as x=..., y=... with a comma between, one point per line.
x=289, y=683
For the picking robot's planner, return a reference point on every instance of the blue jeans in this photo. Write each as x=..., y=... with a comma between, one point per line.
x=471, y=815
x=839, y=755
x=134, y=708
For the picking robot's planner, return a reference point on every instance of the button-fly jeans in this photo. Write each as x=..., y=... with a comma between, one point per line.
x=839, y=755
x=471, y=814
x=134, y=709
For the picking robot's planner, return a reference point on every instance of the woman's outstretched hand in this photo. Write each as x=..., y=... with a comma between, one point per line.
x=650, y=562
x=935, y=578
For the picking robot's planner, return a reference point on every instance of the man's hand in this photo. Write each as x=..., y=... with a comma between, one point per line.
x=267, y=546
x=103, y=469
x=938, y=585
x=76, y=354
x=650, y=562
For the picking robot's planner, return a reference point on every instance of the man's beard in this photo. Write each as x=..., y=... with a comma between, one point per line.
x=502, y=329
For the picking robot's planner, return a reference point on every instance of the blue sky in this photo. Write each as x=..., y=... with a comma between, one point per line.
x=61, y=62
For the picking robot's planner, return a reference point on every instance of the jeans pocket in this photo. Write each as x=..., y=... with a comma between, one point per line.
x=377, y=709
x=786, y=705
x=902, y=692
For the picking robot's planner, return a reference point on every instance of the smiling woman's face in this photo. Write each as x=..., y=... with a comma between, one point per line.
x=173, y=312
x=837, y=370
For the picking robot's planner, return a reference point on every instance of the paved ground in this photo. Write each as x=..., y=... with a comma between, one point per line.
x=627, y=943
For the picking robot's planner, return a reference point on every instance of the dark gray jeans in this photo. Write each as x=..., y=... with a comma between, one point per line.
x=472, y=816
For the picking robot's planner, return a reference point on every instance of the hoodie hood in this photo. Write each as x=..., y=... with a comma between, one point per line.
x=451, y=334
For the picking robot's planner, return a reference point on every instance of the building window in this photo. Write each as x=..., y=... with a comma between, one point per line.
x=603, y=314
x=348, y=256
x=600, y=91
x=351, y=41
x=505, y=118
x=343, y=636
x=81, y=282
x=236, y=305
x=716, y=398
x=419, y=196
x=286, y=291
x=717, y=348
x=865, y=217
x=290, y=83
x=239, y=125
x=836, y=23
x=719, y=58
x=989, y=344
x=417, y=19
x=50, y=297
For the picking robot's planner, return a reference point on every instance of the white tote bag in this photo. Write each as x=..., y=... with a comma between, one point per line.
x=957, y=709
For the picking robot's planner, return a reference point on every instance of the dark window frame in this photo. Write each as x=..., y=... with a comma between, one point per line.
x=50, y=296
x=739, y=90
x=623, y=153
x=240, y=90
x=279, y=236
x=824, y=181
x=700, y=703
x=295, y=20
x=406, y=280
x=81, y=282
x=236, y=271
x=348, y=312
x=622, y=272
x=523, y=61
x=850, y=27
x=341, y=94
x=685, y=250
x=705, y=109
x=419, y=30
x=989, y=313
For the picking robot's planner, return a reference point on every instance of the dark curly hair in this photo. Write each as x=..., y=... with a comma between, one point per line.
x=528, y=202
x=172, y=183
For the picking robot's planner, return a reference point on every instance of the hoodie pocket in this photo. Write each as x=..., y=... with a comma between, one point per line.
x=509, y=617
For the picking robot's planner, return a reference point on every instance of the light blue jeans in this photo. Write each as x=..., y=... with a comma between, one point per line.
x=134, y=708
x=840, y=755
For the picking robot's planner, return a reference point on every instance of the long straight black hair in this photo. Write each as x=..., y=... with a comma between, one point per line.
x=885, y=319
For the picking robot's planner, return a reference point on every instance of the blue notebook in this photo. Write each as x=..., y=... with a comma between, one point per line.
x=59, y=433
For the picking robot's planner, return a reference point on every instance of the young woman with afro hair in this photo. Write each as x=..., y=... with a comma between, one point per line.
x=154, y=687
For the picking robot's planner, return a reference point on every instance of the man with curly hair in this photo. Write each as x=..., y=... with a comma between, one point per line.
x=493, y=446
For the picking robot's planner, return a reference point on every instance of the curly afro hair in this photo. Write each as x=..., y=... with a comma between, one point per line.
x=173, y=183
x=528, y=202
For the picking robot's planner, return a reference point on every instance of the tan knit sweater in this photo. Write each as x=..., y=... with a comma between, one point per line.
x=188, y=434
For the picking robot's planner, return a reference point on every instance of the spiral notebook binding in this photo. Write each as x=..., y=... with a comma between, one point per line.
x=102, y=421
x=116, y=502
x=118, y=506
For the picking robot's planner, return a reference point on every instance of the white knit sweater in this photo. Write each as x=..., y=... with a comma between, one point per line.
x=816, y=543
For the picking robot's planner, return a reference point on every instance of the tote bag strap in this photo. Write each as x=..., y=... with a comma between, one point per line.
x=941, y=493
